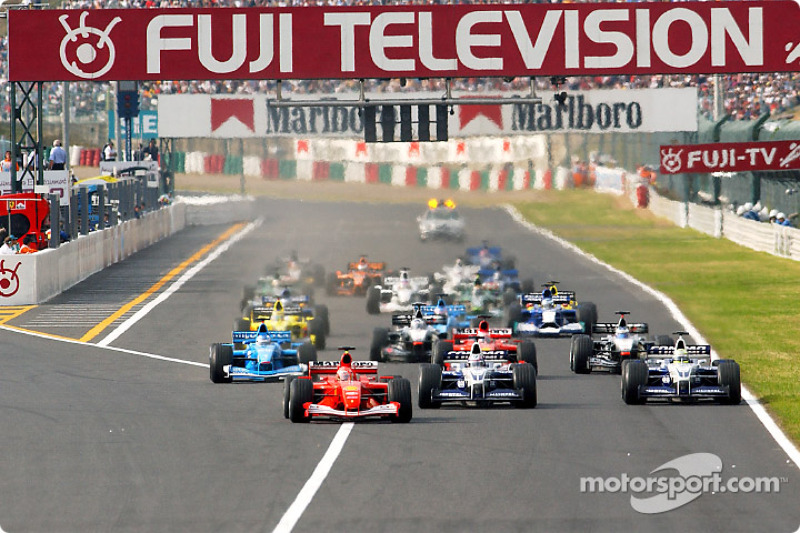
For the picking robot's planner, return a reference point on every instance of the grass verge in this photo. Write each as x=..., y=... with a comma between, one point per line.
x=745, y=303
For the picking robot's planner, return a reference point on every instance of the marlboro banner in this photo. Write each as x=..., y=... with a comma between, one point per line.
x=730, y=157
x=598, y=111
x=412, y=41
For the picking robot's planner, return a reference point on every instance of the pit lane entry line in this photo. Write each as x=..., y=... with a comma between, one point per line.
x=232, y=235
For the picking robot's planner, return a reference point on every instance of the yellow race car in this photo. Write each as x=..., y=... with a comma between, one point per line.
x=303, y=323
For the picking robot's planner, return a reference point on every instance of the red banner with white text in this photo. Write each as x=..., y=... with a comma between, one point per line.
x=730, y=157
x=419, y=41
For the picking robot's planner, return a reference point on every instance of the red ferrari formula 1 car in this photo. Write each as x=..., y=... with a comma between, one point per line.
x=346, y=390
x=494, y=341
x=357, y=279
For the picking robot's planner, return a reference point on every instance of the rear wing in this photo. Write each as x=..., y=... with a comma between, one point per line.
x=667, y=351
x=247, y=337
x=494, y=333
x=611, y=328
x=461, y=356
x=260, y=313
x=563, y=297
x=415, y=280
x=486, y=273
x=402, y=319
x=370, y=266
x=494, y=251
x=454, y=310
x=330, y=367
x=295, y=300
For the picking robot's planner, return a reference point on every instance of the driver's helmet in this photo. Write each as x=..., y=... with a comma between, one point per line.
x=459, y=263
x=262, y=339
x=417, y=323
x=440, y=309
x=362, y=265
x=547, y=299
x=476, y=359
x=344, y=374
x=623, y=333
x=681, y=355
x=497, y=276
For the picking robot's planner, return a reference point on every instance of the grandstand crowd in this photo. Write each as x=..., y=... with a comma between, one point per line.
x=746, y=96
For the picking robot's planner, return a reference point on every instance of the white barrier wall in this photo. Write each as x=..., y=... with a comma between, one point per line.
x=34, y=278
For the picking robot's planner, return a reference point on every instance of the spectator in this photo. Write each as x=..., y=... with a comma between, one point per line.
x=28, y=245
x=781, y=220
x=5, y=164
x=150, y=153
x=109, y=152
x=9, y=244
x=58, y=156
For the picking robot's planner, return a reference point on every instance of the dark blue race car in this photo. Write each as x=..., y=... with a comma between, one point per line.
x=260, y=355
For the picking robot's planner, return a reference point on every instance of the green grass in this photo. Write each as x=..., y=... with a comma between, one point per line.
x=745, y=303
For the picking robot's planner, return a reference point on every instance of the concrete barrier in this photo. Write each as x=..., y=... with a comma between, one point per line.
x=27, y=279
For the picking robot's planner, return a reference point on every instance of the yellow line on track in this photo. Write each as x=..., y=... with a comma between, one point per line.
x=13, y=311
x=95, y=331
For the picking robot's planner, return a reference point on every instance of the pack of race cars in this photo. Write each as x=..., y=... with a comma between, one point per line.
x=470, y=327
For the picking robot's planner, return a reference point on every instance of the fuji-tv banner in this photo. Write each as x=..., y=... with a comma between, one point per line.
x=412, y=41
x=598, y=111
x=730, y=157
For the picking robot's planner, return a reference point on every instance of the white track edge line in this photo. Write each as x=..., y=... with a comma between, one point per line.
x=177, y=284
x=306, y=494
x=758, y=409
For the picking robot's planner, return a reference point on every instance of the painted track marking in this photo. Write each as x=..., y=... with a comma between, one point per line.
x=306, y=494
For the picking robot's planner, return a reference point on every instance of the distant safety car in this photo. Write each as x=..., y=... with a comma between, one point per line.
x=346, y=390
x=682, y=372
x=266, y=356
x=441, y=221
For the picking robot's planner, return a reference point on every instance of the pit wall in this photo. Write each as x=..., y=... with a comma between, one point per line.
x=27, y=279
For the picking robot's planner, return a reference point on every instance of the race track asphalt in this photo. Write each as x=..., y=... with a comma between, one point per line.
x=97, y=439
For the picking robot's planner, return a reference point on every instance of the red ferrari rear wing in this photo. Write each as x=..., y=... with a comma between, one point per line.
x=330, y=367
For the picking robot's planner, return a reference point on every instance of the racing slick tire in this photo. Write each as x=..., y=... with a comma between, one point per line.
x=321, y=313
x=509, y=296
x=307, y=353
x=286, y=389
x=525, y=379
x=527, y=286
x=301, y=391
x=242, y=324
x=526, y=353
x=248, y=293
x=430, y=379
x=317, y=331
x=581, y=350
x=513, y=315
x=374, y=300
x=587, y=313
x=400, y=392
x=633, y=376
x=440, y=349
x=380, y=338
x=728, y=374
x=220, y=355
x=331, y=284
x=664, y=340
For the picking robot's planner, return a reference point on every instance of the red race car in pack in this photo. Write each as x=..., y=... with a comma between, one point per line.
x=494, y=341
x=346, y=390
x=357, y=279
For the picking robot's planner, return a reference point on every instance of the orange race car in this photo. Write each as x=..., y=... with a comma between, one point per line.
x=357, y=279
